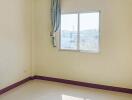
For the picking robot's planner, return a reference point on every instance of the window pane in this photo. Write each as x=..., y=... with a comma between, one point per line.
x=69, y=23
x=89, y=31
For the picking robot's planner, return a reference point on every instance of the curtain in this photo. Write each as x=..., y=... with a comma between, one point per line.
x=55, y=19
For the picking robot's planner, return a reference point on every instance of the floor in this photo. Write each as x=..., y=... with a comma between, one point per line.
x=45, y=90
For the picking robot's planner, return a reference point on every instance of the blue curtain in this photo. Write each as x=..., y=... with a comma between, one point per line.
x=55, y=19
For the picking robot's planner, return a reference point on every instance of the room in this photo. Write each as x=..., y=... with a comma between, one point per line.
x=66, y=49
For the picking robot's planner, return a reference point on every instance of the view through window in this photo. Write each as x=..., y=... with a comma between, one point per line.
x=80, y=31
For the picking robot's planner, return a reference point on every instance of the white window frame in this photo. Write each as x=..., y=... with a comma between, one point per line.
x=78, y=33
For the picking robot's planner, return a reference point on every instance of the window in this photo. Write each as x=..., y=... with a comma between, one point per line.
x=80, y=32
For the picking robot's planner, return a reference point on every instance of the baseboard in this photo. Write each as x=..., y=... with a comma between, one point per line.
x=2, y=91
x=72, y=82
x=84, y=84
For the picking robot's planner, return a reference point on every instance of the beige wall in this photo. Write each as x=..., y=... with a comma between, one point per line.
x=15, y=41
x=112, y=66
x=25, y=42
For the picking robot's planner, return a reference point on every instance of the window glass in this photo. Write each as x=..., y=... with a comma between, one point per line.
x=80, y=32
x=69, y=31
x=89, y=31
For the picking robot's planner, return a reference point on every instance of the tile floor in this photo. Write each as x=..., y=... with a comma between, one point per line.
x=45, y=90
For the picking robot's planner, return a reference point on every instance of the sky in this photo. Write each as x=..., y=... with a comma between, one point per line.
x=88, y=21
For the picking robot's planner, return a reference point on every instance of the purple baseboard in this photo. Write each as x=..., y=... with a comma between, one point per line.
x=72, y=82
x=2, y=91
x=84, y=84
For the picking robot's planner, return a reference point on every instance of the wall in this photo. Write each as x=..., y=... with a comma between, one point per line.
x=15, y=41
x=112, y=66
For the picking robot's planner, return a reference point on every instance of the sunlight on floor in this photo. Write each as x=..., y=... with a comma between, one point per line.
x=67, y=97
